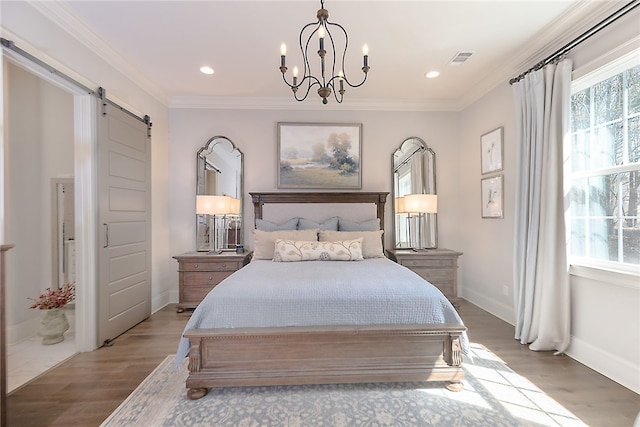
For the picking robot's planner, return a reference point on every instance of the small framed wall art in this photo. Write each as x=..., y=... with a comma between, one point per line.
x=492, y=199
x=319, y=155
x=491, y=151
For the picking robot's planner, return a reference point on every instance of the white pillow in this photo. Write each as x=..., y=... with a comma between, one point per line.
x=368, y=225
x=328, y=224
x=371, y=243
x=293, y=250
x=264, y=225
x=264, y=241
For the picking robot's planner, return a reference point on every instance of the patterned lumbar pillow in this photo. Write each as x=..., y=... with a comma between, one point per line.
x=295, y=250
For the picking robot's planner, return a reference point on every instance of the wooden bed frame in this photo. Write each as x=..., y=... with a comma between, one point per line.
x=323, y=354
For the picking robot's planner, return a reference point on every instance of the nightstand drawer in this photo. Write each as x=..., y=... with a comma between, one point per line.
x=195, y=294
x=435, y=275
x=199, y=272
x=436, y=266
x=204, y=277
x=212, y=266
x=428, y=263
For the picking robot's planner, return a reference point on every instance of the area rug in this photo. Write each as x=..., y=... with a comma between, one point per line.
x=493, y=396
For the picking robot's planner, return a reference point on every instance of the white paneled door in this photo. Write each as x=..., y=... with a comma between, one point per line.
x=124, y=205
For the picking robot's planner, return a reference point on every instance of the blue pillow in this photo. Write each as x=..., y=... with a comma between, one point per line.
x=264, y=225
x=368, y=225
x=330, y=224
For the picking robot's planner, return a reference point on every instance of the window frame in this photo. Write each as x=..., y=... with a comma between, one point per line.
x=586, y=266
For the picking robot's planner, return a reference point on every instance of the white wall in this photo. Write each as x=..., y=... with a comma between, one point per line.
x=488, y=242
x=254, y=132
x=605, y=321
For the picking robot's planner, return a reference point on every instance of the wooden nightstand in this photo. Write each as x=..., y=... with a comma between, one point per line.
x=437, y=266
x=199, y=272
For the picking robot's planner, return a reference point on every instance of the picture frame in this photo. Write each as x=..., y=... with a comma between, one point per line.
x=319, y=155
x=491, y=151
x=492, y=197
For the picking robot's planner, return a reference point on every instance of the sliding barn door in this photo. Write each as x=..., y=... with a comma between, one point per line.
x=124, y=205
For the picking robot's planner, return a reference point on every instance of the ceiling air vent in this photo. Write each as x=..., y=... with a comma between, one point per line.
x=460, y=58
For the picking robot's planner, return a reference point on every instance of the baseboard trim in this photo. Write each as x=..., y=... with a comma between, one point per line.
x=498, y=309
x=621, y=371
x=608, y=364
x=22, y=330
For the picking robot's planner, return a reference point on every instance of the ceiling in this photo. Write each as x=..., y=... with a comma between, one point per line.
x=164, y=43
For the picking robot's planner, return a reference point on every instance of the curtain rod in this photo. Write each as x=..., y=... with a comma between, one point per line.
x=581, y=38
x=100, y=93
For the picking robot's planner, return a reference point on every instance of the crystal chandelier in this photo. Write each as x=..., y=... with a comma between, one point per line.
x=328, y=60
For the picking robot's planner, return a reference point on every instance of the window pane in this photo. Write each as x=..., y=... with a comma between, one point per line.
x=603, y=195
x=580, y=111
x=633, y=83
x=578, y=197
x=634, y=139
x=603, y=243
x=580, y=150
x=578, y=237
x=631, y=245
x=608, y=100
x=605, y=146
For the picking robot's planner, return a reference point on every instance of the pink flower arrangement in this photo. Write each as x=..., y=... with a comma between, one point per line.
x=56, y=298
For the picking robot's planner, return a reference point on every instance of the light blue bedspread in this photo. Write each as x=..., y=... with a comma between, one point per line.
x=375, y=291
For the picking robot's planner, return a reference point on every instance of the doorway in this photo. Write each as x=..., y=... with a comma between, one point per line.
x=78, y=211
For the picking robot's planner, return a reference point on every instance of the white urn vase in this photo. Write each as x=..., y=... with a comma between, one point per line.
x=53, y=325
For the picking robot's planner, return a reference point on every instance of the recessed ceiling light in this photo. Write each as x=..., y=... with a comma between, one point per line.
x=432, y=74
x=206, y=70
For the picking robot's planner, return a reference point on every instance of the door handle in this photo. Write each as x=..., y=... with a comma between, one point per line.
x=106, y=235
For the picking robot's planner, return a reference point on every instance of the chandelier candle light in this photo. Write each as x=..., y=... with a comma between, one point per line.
x=326, y=84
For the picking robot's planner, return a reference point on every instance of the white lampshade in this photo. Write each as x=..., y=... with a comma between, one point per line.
x=235, y=206
x=213, y=205
x=421, y=203
x=399, y=205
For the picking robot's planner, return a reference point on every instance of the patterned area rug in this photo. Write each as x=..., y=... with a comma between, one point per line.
x=493, y=396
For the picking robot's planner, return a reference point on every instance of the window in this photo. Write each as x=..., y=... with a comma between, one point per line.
x=604, y=167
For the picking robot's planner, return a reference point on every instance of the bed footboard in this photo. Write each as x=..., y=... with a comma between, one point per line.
x=323, y=355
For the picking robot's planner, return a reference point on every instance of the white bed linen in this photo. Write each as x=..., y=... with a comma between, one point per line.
x=374, y=291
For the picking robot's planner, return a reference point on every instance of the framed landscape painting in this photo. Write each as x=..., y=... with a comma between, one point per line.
x=318, y=155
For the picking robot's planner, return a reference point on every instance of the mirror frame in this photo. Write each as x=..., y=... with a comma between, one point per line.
x=429, y=221
x=209, y=147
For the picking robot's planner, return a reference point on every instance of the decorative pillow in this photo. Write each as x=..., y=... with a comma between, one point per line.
x=371, y=243
x=264, y=225
x=264, y=241
x=293, y=250
x=369, y=225
x=329, y=224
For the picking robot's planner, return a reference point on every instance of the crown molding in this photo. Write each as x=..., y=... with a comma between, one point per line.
x=248, y=103
x=61, y=15
x=576, y=20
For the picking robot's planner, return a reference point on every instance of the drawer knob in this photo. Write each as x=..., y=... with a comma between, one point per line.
x=224, y=265
x=210, y=278
x=195, y=266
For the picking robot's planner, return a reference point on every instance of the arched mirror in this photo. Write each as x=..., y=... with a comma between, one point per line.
x=219, y=196
x=414, y=193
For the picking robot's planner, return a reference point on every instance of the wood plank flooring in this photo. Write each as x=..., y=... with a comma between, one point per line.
x=85, y=389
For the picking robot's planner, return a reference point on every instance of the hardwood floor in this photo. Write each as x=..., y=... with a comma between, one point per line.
x=84, y=390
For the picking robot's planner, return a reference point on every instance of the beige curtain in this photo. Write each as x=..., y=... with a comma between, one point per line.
x=541, y=279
